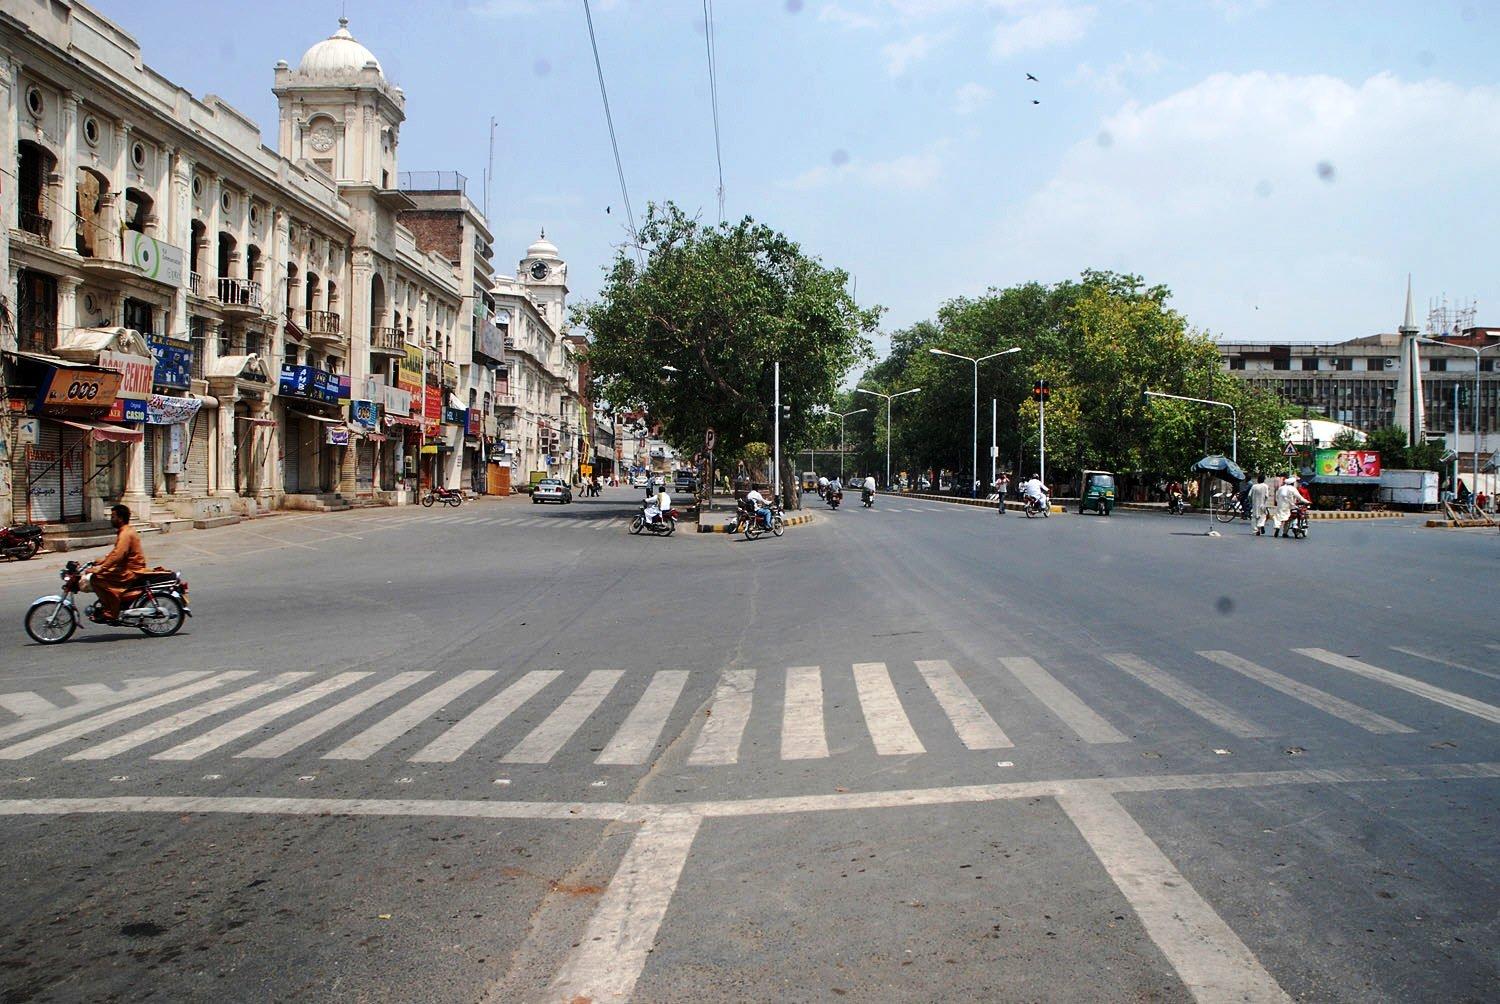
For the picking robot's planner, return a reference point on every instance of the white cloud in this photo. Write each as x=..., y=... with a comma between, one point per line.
x=1117, y=76
x=836, y=14
x=906, y=173
x=1040, y=27
x=900, y=56
x=971, y=97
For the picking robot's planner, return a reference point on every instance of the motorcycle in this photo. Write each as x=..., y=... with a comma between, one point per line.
x=1175, y=505
x=447, y=496
x=664, y=524
x=157, y=603
x=833, y=498
x=21, y=541
x=868, y=498
x=1297, y=525
x=1035, y=507
x=752, y=524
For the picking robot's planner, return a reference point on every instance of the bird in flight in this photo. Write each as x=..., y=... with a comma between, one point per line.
x=1032, y=79
x=1035, y=101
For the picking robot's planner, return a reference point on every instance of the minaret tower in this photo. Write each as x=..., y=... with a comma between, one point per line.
x=1410, y=414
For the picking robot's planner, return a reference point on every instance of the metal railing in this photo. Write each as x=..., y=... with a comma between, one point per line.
x=239, y=292
x=323, y=322
x=387, y=339
x=431, y=181
x=504, y=401
x=36, y=224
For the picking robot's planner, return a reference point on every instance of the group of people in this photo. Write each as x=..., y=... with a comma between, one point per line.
x=1280, y=507
x=1032, y=488
x=836, y=485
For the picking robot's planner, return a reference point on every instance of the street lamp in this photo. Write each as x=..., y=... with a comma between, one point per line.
x=888, y=399
x=843, y=416
x=974, y=457
x=1476, y=351
x=1234, y=420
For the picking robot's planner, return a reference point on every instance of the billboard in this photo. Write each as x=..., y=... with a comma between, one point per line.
x=1349, y=466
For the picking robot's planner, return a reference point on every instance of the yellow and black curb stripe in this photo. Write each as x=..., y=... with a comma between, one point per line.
x=729, y=527
x=1458, y=524
x=982, y=503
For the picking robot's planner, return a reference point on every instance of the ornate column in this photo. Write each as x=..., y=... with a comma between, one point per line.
x=179, y=230
x=65, y=186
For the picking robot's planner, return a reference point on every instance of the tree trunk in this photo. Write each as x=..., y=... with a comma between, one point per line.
x=791, y=496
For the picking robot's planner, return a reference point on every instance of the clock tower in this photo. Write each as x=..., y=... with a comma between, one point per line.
x=545, y=276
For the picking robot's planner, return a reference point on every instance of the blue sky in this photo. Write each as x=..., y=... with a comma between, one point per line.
x=1281, y=166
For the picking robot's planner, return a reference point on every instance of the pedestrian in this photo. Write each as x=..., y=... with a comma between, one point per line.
x=1260, y=505
x=1287, y=497
x=1002, y=488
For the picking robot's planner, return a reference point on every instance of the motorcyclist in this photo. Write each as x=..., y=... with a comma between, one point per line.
x=822, y=487
x=659, y=505
x=1174, y=495
x=117, y=571
x=1034, y=489
x=869, y=487
x=757, y=502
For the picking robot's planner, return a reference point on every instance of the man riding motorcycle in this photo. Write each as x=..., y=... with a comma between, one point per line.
x=659, y=505
x=869, y=487
x=758, y=504
x=1035, y=490
x=117, y=571
x=822, y=487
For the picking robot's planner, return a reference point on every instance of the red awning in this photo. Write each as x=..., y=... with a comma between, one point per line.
x=392, y=420
x=103, y=432
x=375, y=437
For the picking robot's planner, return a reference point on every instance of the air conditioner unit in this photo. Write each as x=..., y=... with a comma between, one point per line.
x=1393, y=364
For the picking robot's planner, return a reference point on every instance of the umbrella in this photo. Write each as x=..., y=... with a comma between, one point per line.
x=1217, y=463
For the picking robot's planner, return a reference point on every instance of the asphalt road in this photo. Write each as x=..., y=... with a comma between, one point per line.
x=921, y=752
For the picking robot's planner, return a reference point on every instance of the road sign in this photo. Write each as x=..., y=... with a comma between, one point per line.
x=709, y=439
x=1290, y=451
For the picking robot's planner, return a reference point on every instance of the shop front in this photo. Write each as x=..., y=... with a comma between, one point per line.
x=313, y=434
x=63, y=438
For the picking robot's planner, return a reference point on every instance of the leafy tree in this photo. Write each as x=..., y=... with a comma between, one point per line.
x=692, y=336
x=1347, y=439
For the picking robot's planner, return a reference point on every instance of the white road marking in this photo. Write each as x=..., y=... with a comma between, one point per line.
x=1322, y=700
x=556, y=729
x=884, y=716
x=478, y=723
x=184, y=718
x=639, y=734
x=612, y=952
x=802, y=731
x=85, y=692
x=130, y=692
x=331, y=718
x=1437, y=695
x=380, y=735
x=975, y=728
x=26, y=702
x=1208, y=956
x=67, y=733
x=728, y=714
x=245, y=724
x=1195, y=701
x=1085, y=722
x=1445, y=662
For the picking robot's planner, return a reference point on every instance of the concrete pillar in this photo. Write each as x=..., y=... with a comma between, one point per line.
x=178, y=224
x=65, y=191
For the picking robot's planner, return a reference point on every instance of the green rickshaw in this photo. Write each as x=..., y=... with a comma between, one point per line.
x=1098, y=493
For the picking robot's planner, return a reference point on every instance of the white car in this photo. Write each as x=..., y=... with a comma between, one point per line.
x=640, y=481
x=551, y=490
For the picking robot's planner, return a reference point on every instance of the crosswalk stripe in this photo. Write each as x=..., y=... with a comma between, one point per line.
x=386, y=731
x=26, y=702
x=556, y=729
x=47, y=719
x=247, y=723
x=1320, y=699
x=1429, y=657
x=90, y=691
x=1085, y=722
x=802, y=733
x=1437, y=695
x=330, y=718
x=1196, y=701
x=639, y=734
x=478, y=723
x=884, y=716
x=975, y=728
x=72, y=731
x=184, y=718
x=728, y=714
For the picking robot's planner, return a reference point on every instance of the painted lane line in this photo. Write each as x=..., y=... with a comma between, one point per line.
x=1427, y=691
x=975, y=728
x=802, y=732
x=1208, y=956
x=260, y=717
x=1322, y=700
x=61, y=715
x=1444, y=662
x=642, y=729
x=386, y=731
x=75, y=730
x=478, y=723
x=26, y=702
x=728, y=714
x=547, y=739
x=613, y=950
x=182, y=719
x=1197, y=702
x=1085, y=722
x=86, y=692
x=330, y=718
x=884, y=716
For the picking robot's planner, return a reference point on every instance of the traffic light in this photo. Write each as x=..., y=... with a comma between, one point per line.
x=1040, y=391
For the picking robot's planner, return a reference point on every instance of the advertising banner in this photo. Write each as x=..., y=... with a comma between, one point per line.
x=395, y=401
x=174, y=362
x=1347, y=465
x=78, y=391
x=176, y=449
x=362, y=413
x=409, y=371
x=156, y=260
x=127, y=409
x=137, y=372
x=164, y=410
x=338, y=435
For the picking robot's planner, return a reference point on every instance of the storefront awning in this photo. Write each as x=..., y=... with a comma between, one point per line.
x=315, y=418
x=374, y=437
x=256, y=421
x=395, y=420
x=104, y=432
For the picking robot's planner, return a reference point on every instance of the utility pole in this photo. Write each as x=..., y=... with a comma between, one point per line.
x=974, y=443
x=841, y=438
x=489, y=173
x=776, y=433
x=994, y=436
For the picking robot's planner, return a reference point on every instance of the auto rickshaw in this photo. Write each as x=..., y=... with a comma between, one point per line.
x=1098, y=492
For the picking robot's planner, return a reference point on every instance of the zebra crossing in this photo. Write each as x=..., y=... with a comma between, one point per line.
x=902, y=710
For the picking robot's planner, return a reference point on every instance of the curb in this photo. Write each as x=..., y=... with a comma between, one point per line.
x=982, y=503
x=1355, y=515
x=1458, y=524
x=729, y=527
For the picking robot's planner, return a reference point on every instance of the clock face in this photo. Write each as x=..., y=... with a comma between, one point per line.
x=539, y=270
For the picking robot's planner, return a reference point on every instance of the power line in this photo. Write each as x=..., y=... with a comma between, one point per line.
x=610, y=121
x=713, y=93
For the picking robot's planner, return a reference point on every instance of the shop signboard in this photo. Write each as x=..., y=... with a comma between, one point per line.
x=1347, y=466
x=490, y=342
x=174, y=362
x=128, y=409
x=137, y=372
x=362, y=413
x=176, y=447
x=313, y=384
x=409, y=373
x=338, y=435
x=162, y=409
x=77, y=391
x=395, y=401
x=156, y=260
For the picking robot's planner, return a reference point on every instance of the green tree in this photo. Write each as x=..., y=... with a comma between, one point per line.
x=1347, y=439
x=692, y=336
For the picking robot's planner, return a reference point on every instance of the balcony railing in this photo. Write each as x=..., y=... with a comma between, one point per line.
x=387, y=339
x=505, y=401
x=239, y=293
x=323, y=322
x=195, y=283
x=36, y=224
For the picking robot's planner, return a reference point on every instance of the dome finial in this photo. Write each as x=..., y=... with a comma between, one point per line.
x=343, y=21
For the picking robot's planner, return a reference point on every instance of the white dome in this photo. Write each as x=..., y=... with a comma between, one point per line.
x=337, y=54
x=543, y=248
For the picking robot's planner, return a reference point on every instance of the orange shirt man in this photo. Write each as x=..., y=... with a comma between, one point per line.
x=115, y=574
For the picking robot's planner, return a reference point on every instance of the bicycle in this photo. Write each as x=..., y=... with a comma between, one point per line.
x=1228, y=506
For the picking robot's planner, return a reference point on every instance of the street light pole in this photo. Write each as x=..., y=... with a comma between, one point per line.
x=1234, y=418
x=974, y=452
x=843, y=416
x=776, y=434
x=1476, y=351
x=888, y=399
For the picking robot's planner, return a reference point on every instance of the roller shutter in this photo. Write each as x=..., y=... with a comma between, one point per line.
x=364, y=473
x=44, y=474
x=74, y=456
x=152, y=446
x=291, y=447
x=194, y=479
